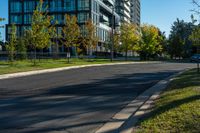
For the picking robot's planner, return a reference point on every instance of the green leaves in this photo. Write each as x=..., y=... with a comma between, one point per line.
x=130, y=37
x=71, y=31
x=2, y=19
x=40, y=34
x=90, y=37
x=41, y=31
x=11, y=47
x=151, y=41
x=195, y=37
x=179, y=42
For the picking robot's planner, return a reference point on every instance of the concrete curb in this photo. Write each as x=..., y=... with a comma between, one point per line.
x=22, y=74
x=124, y=121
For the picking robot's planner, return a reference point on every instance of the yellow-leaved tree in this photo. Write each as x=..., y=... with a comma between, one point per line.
x=90, y=35
x=150, y=44
x=11, y=47
x=41, y=31
x=70, y=33
x=130, y=37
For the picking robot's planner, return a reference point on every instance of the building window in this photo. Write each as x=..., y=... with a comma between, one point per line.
x=10, y=31
x=69, y=5
x=15, y=7
x=29, y=6
x=15, y=19
x=27, y=19
x=56, y=5
x=95, y=7
x=58, y=18
x=83, y=17
x=83, y=4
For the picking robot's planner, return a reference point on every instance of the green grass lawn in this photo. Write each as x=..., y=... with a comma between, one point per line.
x=178, y=109
x=27, y=65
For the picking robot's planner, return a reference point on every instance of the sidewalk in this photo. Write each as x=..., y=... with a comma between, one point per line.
x=22, y=74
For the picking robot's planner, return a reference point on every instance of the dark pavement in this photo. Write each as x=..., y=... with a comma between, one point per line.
x=75, y=101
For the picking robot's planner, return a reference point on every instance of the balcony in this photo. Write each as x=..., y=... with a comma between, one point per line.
x=104, y=18
x=109, y=2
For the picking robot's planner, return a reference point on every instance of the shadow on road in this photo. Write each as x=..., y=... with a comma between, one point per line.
x=74, y=108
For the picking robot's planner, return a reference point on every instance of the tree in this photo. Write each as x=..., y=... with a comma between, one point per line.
x=2, y=19
x=11, y=47
x=176, y=46
x=195, y=38
x=129, y=37
x=196, y=4
x=108, y=45
x=71, y=33
x=162, y=40
x=181, y=30
x=40, y=34
x=21, y=48
x=90, y=37
x=150, y=44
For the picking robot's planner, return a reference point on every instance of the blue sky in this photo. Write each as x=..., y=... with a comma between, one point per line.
x=161, y=13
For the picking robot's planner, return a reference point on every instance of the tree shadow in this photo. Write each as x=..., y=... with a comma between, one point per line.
x=189, y=79
x=74, y=108
x=169, y=106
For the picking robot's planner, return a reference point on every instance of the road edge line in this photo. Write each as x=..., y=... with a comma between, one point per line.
x=124, y=120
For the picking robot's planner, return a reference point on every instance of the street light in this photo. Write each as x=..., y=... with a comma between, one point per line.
x=113, y=28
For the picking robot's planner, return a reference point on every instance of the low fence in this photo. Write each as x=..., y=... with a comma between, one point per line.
x=4, y=56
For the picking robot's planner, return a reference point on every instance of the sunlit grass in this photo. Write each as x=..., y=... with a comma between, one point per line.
x=178, y=109
x=27, y=65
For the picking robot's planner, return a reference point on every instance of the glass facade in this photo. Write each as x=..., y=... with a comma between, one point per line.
x=99, y=11
x=16, y=19
x=55, y=5
x=58, y=18
x=69, y=5
x=83, y=17
x=15, y=7
x=29, y=6
x=83, y=5
x=27, y=18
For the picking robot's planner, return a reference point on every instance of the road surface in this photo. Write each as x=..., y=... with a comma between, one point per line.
x=75, y=101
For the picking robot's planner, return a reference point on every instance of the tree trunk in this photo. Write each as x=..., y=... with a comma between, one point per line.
x=68, y=52
x=35, y=56
x=126, y=55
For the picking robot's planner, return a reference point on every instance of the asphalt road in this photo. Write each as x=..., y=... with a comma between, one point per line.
x=75, y=101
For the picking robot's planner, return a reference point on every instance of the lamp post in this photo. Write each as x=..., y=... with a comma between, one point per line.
x=113, y=29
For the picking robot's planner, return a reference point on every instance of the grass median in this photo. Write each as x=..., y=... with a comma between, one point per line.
x=178, y=108
x=27, y=65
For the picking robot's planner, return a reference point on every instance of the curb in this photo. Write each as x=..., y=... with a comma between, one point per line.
x=29, y=73
x=125, y=120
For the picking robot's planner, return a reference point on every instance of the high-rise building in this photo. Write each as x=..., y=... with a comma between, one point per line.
x=99, y=11
x=135, y=12
x=123, y=8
